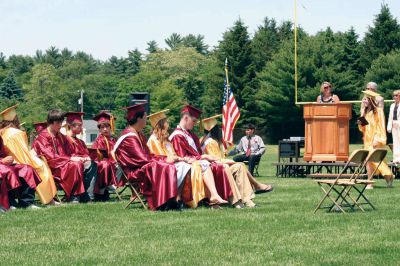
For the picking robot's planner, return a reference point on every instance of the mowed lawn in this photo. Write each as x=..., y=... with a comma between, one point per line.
x=282, y=230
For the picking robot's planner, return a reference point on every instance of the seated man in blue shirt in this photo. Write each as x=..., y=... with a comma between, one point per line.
x=251, y=148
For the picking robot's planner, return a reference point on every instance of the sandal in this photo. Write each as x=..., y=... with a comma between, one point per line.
x=215, y=206
x=266, y=190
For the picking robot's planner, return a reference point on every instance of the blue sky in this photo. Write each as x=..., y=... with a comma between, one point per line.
x=105, y=28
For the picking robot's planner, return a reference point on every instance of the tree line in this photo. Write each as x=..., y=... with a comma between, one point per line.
x=261, y=68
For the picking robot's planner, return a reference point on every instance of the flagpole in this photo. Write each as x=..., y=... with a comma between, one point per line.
x=225, y=93
x=295, y=52
x=224, y=146
x=226, y=73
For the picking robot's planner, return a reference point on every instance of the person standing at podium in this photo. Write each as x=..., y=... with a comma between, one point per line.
x=374, y=134
x=393, y=125
x=372, y=86
x=327, y=95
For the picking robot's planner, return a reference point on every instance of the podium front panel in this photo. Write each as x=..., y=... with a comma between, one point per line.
x=327, y=132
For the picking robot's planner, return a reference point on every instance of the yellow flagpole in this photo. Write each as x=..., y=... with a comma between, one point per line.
x=295, y=51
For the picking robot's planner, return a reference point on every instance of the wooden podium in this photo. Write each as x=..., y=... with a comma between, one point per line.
x=327, y=131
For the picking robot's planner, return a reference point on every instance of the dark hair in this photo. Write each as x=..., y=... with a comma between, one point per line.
x=13, y=123
x=55, y=115
x=135, y=118
x=250, y=126
x=215, y=133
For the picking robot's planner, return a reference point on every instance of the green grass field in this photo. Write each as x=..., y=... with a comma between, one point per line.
x=282, y=230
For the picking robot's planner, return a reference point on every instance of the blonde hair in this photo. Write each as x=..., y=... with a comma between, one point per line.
x=396, y=92
x=160, y=132
x=321, y=89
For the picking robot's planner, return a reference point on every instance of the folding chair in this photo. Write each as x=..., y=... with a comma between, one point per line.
x=135, y=188
x=256, y=164
x=376, y=156
x=132, y=185
x=337, y=190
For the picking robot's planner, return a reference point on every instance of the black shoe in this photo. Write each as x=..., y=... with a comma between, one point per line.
x=180, y=206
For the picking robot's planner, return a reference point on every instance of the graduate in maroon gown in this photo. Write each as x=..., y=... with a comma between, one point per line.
x=187, y=144
x=156, y=176
x=106, y=165
x=8, y=182
x=18, y=180
x=80, y=150
x=58, y=152
x=39, y=127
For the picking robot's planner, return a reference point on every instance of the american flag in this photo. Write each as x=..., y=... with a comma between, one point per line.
x=230, y=115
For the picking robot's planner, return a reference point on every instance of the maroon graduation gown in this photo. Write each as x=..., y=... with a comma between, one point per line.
x=10, y=175
x=9, y=181
x=106, y=170
x=157, y=177
x=58, y=151
x=183, y=149
x=79, y=147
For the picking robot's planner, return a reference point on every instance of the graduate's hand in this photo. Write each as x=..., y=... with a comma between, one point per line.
x=209, y=157
x=76, y=159
x=169, y=159
x=375, y=144
x=7, y=160
x=177, y=158
x=189, y=160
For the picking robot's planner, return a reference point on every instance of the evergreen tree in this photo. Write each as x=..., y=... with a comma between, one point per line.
x=152, y=47
x=53, y=57
x=385, y=72
x=196, y=42
x=116, y=66
x=236, y=47
x=20, y=64
x=351, y=46
x=134, y=60
x=174, y=41
x=265, y=43
x=38, y=57
x=276, y=99
x=9, y=88
x=2, y=60
x=382, y=38
x=66, y=55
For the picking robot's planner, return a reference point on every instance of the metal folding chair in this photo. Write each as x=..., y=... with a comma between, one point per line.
x=337, y=190
x=132, y=185
x=375, y=156
x=135, y=188
x=256, y=165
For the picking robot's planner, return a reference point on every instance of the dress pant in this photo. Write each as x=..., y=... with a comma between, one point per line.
x=24, y=194
x=396, y=140
x=252, y=159
x=89, y=180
